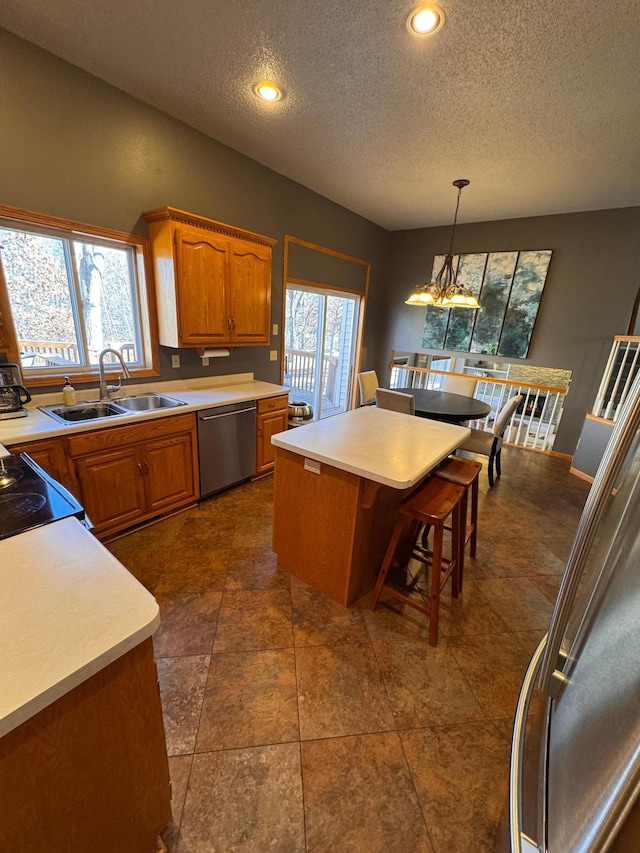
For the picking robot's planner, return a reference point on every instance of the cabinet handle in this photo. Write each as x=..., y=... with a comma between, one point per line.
x=140, y=471
x=145, y=468
x=229, y=323
x=234, y=323
x=260, y=432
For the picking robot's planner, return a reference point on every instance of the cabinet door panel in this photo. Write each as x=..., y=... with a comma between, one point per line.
x=168, y=466
x=112, y=488
x=268, y=425
x=49, y=454
x=250, y=280
x=203, y=315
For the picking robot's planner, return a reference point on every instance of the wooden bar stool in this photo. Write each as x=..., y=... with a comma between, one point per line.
x=434, y=504
x=466, y=473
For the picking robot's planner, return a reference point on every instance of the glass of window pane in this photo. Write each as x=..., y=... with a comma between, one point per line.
x=106, y=279
x=36, y=269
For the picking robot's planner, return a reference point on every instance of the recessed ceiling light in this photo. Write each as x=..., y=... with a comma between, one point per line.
x=425, y=20
x=267, y=90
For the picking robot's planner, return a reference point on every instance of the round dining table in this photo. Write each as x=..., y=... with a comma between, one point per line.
x=445, y=406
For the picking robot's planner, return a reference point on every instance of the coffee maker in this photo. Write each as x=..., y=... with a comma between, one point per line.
x=13, y=394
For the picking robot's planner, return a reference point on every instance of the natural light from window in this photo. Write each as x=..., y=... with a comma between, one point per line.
x=70, y=298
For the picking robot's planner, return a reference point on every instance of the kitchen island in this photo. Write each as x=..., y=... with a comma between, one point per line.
x=338, y=483
x=83, y=762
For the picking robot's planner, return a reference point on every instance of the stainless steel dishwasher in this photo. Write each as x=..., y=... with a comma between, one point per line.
x=226, y=445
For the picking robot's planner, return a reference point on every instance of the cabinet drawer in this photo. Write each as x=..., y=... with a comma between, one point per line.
x=273, y=404
x=113, y=437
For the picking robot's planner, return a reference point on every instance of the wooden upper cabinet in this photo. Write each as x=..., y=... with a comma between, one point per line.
x=201, y=274
x=213, y=281
x=250, y=278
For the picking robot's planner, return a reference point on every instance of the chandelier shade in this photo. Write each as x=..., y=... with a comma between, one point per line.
x=444, y=291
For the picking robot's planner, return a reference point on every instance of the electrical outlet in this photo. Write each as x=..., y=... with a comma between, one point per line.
x=205, y=361
x=273, y=355
x=275, y=328
x=175, y=361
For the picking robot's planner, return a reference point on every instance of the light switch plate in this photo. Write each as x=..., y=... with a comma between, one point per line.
x=205, y=361
x=275, y=328
x=312, y=465
x=175, y=361
x=273, y=355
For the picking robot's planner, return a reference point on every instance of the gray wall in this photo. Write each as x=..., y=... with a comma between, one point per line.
x=588, y=298
x=75, y=147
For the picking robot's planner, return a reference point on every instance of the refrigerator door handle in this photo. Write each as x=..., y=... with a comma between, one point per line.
x=551, y=675
x=521, y=843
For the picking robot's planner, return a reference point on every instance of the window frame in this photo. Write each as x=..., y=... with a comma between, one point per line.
x=13, y=217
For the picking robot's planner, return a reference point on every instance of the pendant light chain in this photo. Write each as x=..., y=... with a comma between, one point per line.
x=455, y=220
x=444, y=291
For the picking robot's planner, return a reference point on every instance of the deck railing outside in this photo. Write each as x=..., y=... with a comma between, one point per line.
x=618, y=376
x=533, y=425
x=64, y=354
x=300, y=370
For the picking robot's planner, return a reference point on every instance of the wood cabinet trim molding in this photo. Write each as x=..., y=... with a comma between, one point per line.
x=173, y=214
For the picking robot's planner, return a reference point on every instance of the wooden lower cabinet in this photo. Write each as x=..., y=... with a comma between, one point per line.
x=50, y=455
x=272, y=418
x=90, y=771
x=132, y=473
x=112, y=488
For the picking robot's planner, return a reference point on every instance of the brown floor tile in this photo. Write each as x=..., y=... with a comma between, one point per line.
x=182, y=682
x=340, y=691
x=530, y=639
x=255, y=568
x=192, y=568
x=252, y=532
x=461, y=774
x=520, y=603
x=512, y=558
x=187, y=624
x=358, y=796
x=179, y=770
x=254, y=619
x=320, y=621
x=244, y=800
x=494, y=666
x=470, y=613
x=548, y=585
x=250, y=699
x=424, y=684
x=393, y=620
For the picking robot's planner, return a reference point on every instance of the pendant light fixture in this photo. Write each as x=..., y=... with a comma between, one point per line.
x=444, y=291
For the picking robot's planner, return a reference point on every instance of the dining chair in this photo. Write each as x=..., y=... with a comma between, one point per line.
x=464, y=385
x=396, y=401
x=368, y=382
x=490, y=443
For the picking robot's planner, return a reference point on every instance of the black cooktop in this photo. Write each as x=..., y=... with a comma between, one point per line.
x=29, y=497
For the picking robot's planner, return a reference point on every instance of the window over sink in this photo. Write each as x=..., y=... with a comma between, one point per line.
x=73, y=290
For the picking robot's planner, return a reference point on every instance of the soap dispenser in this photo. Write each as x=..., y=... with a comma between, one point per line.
x=68, y=393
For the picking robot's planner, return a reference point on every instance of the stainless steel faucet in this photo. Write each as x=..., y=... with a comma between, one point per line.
x=106, y=390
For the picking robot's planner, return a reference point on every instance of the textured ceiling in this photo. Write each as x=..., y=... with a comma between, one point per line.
x=537, y=103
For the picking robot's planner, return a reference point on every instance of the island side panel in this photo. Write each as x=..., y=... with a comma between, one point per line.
x=331, y=529
x=314, y=523
x=90, y=771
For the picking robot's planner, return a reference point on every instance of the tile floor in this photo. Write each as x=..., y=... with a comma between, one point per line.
x=294, y=724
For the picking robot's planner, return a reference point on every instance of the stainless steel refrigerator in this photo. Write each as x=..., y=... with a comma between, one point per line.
x=575, y=760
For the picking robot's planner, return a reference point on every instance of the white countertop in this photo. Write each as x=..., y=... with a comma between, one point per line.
x=68, y=609
x=387, y=447
x=197, y=394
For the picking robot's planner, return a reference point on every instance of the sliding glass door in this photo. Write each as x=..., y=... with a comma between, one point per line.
x=320, y=339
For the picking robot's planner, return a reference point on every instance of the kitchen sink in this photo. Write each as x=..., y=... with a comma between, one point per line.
x=145, y=402
x=94, y=410
x=83, y=412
